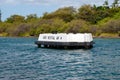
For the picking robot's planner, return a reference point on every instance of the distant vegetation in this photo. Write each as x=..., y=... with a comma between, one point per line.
x=103, y=21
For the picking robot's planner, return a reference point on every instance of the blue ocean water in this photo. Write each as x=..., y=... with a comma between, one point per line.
x=20, y=59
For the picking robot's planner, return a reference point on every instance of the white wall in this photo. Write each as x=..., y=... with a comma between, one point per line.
x=63, y=37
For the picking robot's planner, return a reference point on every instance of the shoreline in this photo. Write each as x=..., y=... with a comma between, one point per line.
x=102, y=35
x=37, y=37
x=106, y=37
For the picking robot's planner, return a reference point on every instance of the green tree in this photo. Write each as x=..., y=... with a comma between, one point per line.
x=15, y=18
x=31, y=17
x=113, y=26
x=106, y=3
x=76, y=26
x=20, y=30
x=115, y=3
x=88, y=13
x=66, y=13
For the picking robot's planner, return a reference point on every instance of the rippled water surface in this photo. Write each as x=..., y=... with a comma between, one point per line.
x=20, y=59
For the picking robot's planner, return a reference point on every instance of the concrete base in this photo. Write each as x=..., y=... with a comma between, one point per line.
x=65, y=45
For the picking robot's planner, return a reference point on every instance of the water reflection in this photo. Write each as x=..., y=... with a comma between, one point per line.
x=70, y=64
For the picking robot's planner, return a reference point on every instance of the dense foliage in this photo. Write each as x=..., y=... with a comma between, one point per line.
x=98, y=20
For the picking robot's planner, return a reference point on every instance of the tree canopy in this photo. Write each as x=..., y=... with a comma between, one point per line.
x=87, y=18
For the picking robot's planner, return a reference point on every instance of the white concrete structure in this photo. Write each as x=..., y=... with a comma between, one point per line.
x=64, y=39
